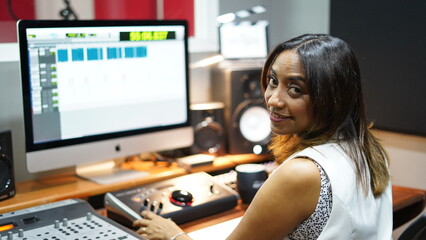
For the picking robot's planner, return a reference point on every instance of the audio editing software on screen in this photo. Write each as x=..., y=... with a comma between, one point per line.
x=84, y=81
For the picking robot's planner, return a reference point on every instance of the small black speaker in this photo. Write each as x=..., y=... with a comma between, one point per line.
x=209, y=131
x=7, y=180
x=247, y=120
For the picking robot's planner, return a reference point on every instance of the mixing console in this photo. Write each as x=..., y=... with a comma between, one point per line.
x=71, y=219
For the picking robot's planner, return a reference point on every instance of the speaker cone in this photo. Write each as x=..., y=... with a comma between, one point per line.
x=208, y=136
x=209, y=133
x=5, y=176
x=254, y=124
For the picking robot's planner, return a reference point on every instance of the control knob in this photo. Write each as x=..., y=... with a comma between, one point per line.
x=181, y=198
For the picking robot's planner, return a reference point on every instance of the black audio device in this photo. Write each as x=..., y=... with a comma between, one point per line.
x=182, y=199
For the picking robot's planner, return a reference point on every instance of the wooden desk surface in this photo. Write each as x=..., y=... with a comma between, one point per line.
x=236, y=212
x=404, y=197
x=68, y=185
x=408, y=203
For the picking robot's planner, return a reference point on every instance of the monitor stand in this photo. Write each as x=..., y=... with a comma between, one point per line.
x=107, y=172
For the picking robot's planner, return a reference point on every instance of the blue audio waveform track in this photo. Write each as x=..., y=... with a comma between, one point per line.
x=62, y=55
x=94, y=54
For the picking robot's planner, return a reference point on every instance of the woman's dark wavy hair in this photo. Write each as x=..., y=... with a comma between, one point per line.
x=334, y=87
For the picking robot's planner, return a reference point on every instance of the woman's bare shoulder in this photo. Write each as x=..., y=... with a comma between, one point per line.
x=287, y=198
x=297, y=171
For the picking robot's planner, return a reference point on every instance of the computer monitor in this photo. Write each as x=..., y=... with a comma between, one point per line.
x=95, y=90
x=244, y=40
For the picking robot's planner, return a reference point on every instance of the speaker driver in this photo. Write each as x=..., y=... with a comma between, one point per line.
x=5, y=174
x=251, y=121
x=254, y=124
x=7, y=181
x=209, y=134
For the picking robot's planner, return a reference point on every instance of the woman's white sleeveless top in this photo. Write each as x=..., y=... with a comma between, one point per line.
x=354, y=215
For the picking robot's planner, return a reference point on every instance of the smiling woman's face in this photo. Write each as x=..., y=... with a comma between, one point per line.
x=287, y=96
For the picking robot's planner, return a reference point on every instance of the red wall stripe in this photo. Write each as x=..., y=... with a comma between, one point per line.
x=23, y=9
x=125, y=9
x=104, y=9
x=180, y=9
x=145, y=9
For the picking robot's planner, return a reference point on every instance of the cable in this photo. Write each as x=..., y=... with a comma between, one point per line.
x=10, y=10
x=68, y=12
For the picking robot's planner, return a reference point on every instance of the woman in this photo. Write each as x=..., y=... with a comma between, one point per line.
x=333, y=180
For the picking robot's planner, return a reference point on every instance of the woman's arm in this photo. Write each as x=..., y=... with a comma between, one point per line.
x=155, y=227
x=287, y=198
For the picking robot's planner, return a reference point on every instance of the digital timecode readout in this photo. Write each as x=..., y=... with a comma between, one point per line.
x=147, y=36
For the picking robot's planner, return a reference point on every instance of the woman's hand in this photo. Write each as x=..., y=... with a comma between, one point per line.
x=155, y=227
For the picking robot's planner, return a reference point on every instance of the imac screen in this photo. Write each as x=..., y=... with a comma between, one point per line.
x=244, y=40
x=101, y=83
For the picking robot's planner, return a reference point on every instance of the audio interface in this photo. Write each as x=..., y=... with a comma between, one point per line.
x=182, y=199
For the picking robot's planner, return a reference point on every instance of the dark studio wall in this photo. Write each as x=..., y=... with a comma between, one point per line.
x=389, y=39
